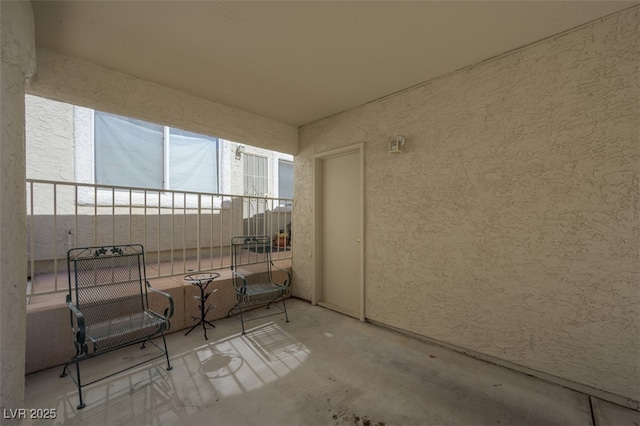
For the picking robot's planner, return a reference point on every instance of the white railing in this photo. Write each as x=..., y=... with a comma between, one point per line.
x=180, y=231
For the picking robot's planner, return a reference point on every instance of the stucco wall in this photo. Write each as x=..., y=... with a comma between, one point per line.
x=17, y=47
x=66, y=79
x=49, y=135
x=509, y=225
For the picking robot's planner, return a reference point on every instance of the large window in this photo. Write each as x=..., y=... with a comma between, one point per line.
x=135, y=153
x=128, y=152
x=193, y=161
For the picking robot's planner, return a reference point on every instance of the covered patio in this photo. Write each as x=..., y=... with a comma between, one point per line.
x=321, y=368
x=492, y=255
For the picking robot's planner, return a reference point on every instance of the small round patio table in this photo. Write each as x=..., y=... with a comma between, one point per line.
x=202, y=281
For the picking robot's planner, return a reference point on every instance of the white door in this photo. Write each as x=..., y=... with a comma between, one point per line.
x=340, y=227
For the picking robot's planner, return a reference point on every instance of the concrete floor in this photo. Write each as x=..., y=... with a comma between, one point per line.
x=322, y=368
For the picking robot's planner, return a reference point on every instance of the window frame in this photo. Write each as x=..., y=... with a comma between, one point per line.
x=289, y=162
x=166, y=166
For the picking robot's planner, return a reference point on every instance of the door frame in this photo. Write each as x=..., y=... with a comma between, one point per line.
x=316, y=212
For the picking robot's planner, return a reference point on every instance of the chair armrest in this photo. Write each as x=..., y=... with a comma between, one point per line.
x=243, y=288
x=168, y=313
x=80, y=333
x=287, y=282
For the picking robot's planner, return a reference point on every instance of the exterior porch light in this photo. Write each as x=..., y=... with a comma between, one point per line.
x=395, y=146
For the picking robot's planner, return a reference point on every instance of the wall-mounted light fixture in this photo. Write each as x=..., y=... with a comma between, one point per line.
x=395, y=146
x=239, y=151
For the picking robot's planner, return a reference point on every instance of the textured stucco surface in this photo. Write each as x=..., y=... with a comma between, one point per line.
x=49, y=135
x=66, y=79
x=509, y=226
x=16, y=67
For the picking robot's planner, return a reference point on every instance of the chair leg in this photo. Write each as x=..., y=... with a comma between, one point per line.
x=241, y=318
x=284, y=308
x=66, y=366
x=166, y=352
x=82, y=404
x=274, y=300
x=64, y=370
x=232, y=309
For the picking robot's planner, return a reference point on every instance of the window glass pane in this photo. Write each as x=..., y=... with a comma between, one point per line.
x=193, y=161
x=255, y=175
x=128, y=152
x=285, y=179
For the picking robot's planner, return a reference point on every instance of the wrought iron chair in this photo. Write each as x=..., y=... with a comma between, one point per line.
x=109, y=306
x=253, y=278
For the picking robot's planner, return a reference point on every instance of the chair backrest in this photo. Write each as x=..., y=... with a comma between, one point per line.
x=251, y=253
x=107, y=282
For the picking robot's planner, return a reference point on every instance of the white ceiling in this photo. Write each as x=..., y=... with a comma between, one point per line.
x=299, y=61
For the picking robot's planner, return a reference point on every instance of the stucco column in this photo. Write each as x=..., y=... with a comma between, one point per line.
x=17, y=66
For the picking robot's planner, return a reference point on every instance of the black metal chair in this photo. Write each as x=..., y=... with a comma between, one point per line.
x=109, y=306
x=253, y=278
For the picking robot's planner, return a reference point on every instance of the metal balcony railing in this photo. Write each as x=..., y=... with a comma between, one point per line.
x=180, y=231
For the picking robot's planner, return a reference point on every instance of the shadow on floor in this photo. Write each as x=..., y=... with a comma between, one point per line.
x=322, y=368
